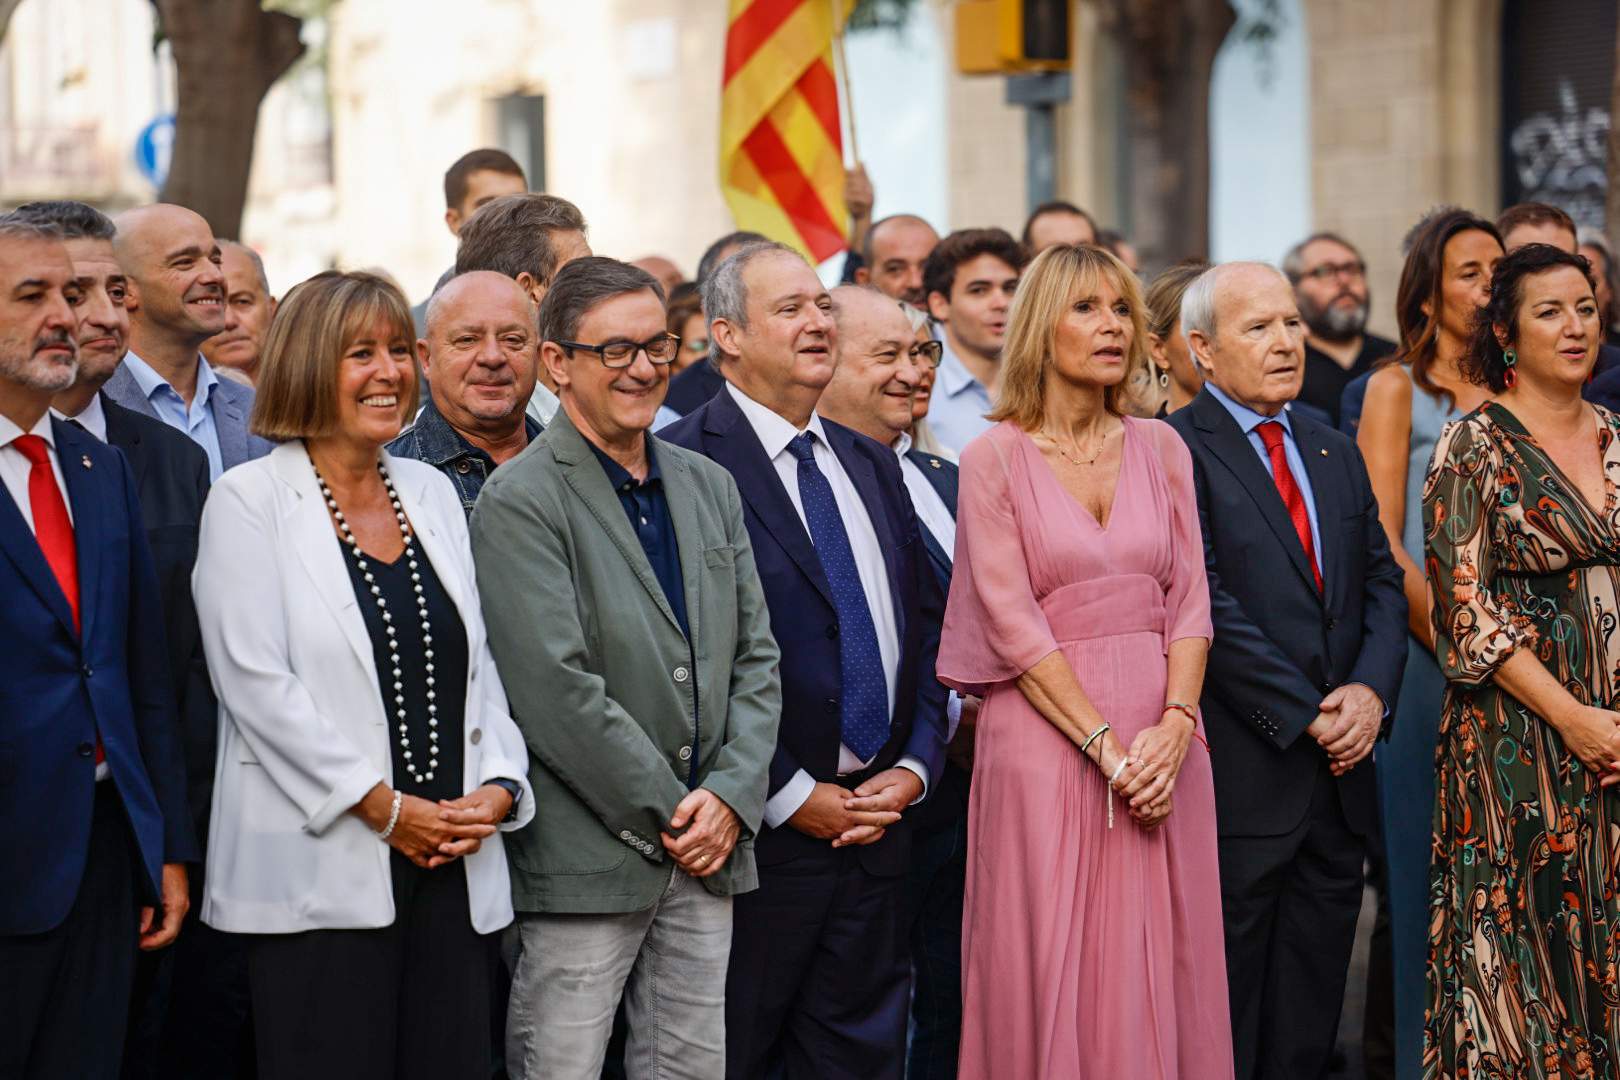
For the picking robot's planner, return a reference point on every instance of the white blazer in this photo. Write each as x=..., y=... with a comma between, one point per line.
x=303, y=735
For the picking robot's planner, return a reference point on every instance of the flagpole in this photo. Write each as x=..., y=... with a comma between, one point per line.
x=843, y=78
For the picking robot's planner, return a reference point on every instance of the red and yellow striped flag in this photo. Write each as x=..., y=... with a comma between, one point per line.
x=781, y=151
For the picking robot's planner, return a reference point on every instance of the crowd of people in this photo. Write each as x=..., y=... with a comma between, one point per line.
x=991, y=666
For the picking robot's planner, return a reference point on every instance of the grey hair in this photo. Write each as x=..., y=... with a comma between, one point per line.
x=916, y=316
x=725, y=296
x=1198, y=304
x=1293, y=260
x=583, y=284
x=15, y=227
x=253, y=257
x=512, y=235
x=75, y=220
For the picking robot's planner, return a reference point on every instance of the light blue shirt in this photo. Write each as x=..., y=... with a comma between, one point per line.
x=198, y=421
x=1250, y=422
x=956, y=413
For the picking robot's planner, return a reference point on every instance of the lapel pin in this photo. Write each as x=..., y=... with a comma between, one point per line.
x=1324, y=452
x=86, y=460
x=934, y=462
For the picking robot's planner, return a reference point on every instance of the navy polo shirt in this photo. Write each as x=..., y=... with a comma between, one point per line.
x=644, y=504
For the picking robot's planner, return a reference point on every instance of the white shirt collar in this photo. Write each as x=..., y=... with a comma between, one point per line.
x=543, y=404
x=773, y=431
x=10, y=432
x=93, y=419
x=902, y=445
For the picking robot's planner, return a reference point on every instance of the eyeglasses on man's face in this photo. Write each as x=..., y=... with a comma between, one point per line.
x=621, y=354
x=927, y=352
x=1354, y=271
x=698, y=346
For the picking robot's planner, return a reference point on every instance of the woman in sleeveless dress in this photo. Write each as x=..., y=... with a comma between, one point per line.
x=1445, y=283
x=1079, y=611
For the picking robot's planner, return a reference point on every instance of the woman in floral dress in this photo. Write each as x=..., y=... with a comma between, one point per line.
x=1521, y=515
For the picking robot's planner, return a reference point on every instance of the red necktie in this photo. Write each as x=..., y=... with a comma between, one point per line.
x=1271, y=433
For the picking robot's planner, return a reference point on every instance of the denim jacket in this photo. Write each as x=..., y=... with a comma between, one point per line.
x=433, y=440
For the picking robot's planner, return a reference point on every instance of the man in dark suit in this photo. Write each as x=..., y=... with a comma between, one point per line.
x=190, y=1002
x=91, y=775
x=819, y=968
x=880, y=366
x=176, y=301
x=1310, y=625
x=702, y=380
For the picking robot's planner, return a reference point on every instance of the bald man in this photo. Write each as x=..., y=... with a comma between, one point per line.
x=176, y=301
x=668, y=274
x=895, y=250
x=480, y=358
x=249, y=307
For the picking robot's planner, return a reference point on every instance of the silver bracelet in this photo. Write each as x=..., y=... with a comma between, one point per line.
x=1118, y=769
x=1094, y=736
x=393, y=816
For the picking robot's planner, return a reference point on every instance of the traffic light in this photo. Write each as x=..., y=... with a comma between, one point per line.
x=1011, y=36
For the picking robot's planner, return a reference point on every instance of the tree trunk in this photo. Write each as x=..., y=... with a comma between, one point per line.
x=1169, y=49
x=227, y=55
x=1611, y=217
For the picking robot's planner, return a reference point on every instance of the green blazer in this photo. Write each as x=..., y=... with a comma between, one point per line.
x=608, y=692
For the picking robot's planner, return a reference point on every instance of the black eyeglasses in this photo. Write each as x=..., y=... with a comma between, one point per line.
x=930, y=351
x=621, y=354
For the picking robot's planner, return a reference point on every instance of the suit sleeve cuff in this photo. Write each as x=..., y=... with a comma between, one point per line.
x=792, y=795
x=953, y=718
x=916, y=765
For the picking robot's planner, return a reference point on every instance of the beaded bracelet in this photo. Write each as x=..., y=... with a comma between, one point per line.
x=393, y=816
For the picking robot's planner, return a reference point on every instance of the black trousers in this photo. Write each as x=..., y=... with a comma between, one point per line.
x=1290, y=904
x=406, y=1002
x=64, y=994
x=189, y=1013
x=935, y=890
x=819, y=973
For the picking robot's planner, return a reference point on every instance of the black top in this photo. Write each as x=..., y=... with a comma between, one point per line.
x=648, y=510
x=1325, y=380
x=449, y=668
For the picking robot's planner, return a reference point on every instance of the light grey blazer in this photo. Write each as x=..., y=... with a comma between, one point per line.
x=231, y=402
x=616, y=704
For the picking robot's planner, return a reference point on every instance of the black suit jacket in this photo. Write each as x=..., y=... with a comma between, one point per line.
x=693, y=388
x=1279, y=645
x=805, y=623
x=171, y=482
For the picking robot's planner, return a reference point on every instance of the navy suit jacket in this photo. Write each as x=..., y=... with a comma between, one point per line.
x=59, y=688
x=805, y=623
x=171, y=482
x=942, y=477
x=693, y=388
x=1280, y=646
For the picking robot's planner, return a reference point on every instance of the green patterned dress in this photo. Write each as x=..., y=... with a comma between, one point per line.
x=1524, y=919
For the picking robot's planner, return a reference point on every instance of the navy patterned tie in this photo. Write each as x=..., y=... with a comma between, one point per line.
x=864, y=706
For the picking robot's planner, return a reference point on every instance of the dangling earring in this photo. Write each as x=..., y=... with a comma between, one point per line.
x=1164, y=379
x=1509, y=359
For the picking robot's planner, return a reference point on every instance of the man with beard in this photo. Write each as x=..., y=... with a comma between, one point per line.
x=176, y=301
x=1330, y=287
x=480, y=356
x=91, y=778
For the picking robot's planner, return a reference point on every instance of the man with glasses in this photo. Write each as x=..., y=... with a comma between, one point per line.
x=618, y=584
x=1330, y=287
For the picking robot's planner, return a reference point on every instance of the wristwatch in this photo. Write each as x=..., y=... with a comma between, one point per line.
x=514, y=789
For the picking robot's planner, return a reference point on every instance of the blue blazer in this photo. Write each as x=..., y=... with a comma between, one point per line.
x=58, y=689
x=232, y=404
x=942, y=477
x=805, y=623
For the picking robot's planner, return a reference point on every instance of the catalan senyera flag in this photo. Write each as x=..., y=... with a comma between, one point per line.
x=781, y=150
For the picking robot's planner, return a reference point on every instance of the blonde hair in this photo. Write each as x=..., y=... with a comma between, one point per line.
x=1057, y=275
x=296, y=396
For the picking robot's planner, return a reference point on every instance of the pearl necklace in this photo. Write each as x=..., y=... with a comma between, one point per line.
x=388, y=621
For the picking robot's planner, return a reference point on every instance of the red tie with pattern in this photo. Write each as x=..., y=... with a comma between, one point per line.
x=53, y=529
x=1271, y=433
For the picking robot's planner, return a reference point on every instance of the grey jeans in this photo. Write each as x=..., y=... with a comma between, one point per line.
x=668, y=962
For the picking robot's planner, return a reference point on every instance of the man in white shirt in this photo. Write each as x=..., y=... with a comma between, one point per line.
x=818, y=983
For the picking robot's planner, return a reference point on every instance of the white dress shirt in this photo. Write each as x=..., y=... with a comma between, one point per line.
x=774, y=434
x=543, y=404
x=14, y=467
x=93, y=419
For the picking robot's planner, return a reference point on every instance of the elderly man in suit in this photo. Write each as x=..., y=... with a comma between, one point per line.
x=1310, y=643
x=819, y=974
x=881, y=365
x=176, y=301
x=91, y=775
x=625, y=612
x=196, y=993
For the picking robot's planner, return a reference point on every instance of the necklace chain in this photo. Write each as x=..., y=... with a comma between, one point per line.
x=1072, y=458
x=364, y=567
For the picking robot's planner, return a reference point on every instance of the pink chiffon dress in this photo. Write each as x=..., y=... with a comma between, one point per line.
x=1087, y=951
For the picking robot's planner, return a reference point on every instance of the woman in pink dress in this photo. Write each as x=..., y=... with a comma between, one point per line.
x=1092, y=943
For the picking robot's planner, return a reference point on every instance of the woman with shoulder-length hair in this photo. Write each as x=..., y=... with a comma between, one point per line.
x=1079, y=612
x=1522, y=516
x=1411, y=396
x=366, y=759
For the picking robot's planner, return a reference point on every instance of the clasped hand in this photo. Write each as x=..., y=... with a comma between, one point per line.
x=1151, y=766
x=1593, y=735
x=431, y=834
x=862, y=816
x=711, y=833
x=1347, y=724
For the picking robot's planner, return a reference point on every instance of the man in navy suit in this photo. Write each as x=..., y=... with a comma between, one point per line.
x=1309, y=646
x=818, y=980
x=880, y=366
x=176, y=301
x=91, y=778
